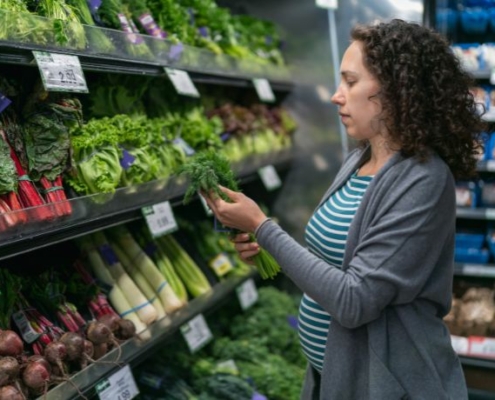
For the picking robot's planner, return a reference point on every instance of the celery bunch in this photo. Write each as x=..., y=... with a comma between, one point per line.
x=206, y=171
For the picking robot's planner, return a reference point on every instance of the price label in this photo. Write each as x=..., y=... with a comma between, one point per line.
x=27, y=332
x=205, y=206
x=490, y=165
x=492, y=76
x=478, y=270
x=120, y=386
x=160, y=219
x=490, y=213
x=330, y=4
x=60, y=72
x=460, y=344
x=247, y=294
x=264, y=90
x=182, y=82
x=482, y=346
x=221, y=264
x=270, y=177
x=181, y=143
x=196, y=333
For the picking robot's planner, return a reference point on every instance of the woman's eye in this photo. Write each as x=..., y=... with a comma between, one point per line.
x=351, y=83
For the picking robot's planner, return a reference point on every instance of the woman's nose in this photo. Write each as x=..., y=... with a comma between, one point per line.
x=338, y=97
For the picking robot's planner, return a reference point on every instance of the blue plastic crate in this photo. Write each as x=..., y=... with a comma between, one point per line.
x=447, y=20
x=469, y=240
x=474, y=256
x=474, y=20
x=478, y=3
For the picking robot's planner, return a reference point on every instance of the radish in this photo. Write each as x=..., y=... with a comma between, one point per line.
x=10, y=344
x=56, y=353
x=9, y=370
x=36, y=377
x=74, y=344
x=11, y=393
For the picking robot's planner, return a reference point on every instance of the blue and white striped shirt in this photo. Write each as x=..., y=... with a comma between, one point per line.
x=326, y=235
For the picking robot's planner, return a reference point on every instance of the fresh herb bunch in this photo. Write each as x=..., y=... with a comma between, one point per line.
x=10, y=285
x=206, y=171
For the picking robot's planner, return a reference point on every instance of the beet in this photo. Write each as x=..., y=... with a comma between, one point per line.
x=127, y=329
x=111, y=321
x=56, y=353
x=88, y=353
x=100, y=350
x=9, y=370
x=10, y=393
x=74, y=343
x=10, y=344
x=37, y=359
x=99, y=333
x=36, y=377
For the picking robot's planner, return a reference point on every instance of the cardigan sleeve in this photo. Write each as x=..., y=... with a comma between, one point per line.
x=392, y=261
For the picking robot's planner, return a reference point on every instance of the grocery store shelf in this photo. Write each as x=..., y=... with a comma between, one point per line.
x=477, y=394
x=478, y=362
x=96, y=212
x=135, y=349
x=480, y=74
x=476, y=213
x=477, y=270
x=149, y=57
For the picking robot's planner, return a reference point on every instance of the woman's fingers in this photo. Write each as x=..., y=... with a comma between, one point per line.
x=240, y=238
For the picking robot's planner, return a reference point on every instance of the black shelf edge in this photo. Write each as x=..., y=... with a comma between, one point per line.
x=130, y=203
x=476, y=213
x=478, y=394
x=22, y=55
x=133, y=349
x=475, y=270
x=477, y=362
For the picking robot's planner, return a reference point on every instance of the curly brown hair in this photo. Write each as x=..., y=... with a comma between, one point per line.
x=425, y=93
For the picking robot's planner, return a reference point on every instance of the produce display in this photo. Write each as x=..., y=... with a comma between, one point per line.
x=252, y=352
x=196, y=23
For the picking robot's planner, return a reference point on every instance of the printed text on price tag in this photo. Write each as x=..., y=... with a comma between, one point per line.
x=60, y=72
x=196, y=333
x=182, y=82
x=264, y=90
x=160, y=219
x=270, y=177
x=247, y=294
x=120, y=386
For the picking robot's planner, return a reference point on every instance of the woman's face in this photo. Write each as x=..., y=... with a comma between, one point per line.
x=358, y=109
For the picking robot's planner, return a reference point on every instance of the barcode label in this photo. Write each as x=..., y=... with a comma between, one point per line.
x=160, y=219
x=27, y=332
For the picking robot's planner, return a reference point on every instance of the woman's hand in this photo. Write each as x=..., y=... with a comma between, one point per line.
x=242, y=214
x=245, y=247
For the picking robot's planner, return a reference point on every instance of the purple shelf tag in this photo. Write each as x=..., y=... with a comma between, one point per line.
x=151, y=27
x=225, y=136
x=94, y=5
x=203, y=31
x=176, y=51
x=258, y=396
x=4, y=102
x=292, y=321
x=127, y=159
x=108, y=254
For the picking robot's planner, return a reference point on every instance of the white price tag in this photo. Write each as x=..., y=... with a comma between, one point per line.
x=270, y=177
x=221, y=264
x=482, y=346
x=490, y=213
x=160, y=219
x=247, y=294
x=331, y=4
x=120, y=386
x=490, y=165
x=460, y=344
x=182, y=82
x=196, y=333
x=264, y=90
x=478, y=270
x=492, y=77
x=60, y=72
x=205, y=206
x=27, y=332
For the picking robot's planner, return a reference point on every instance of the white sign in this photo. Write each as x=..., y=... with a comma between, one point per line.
x=60, y=72
x=160, y=219
x=481, y=346
x=460, y=344
x=27, y=331
x=247, y=294
x=196, y=333
x=331, y=4
x=182, y=82
x=120, y=386
x=490, y=165
x=490, y=213
x=492, y=76
x=270, y=177
x=264, y=90
x=478, y=270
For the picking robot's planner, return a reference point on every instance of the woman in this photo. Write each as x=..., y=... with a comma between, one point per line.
x=377, y=273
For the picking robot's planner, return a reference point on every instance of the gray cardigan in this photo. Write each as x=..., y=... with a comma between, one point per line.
x=387, y=340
